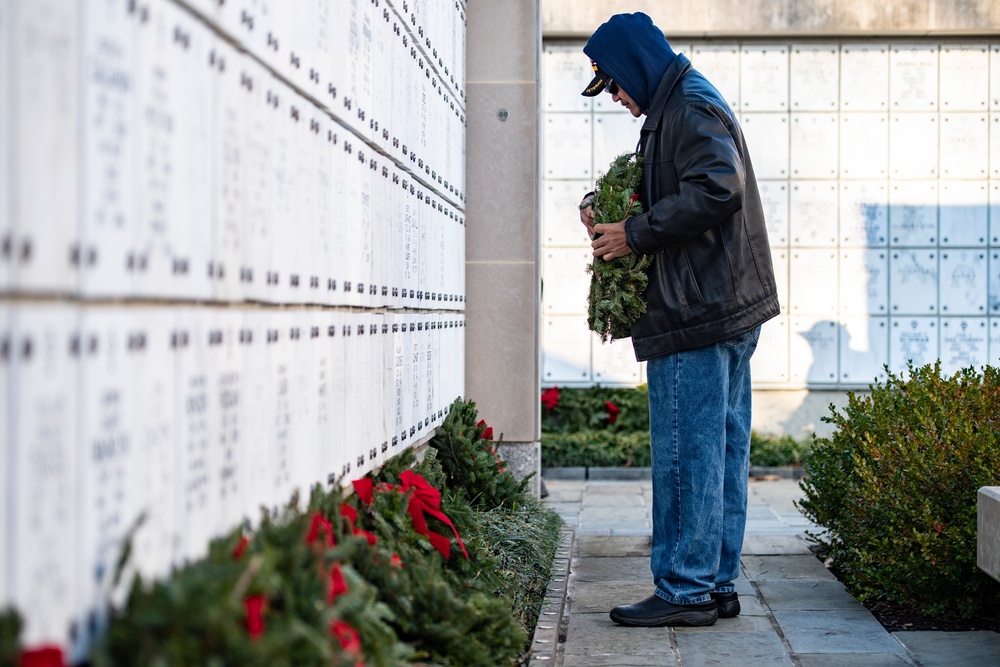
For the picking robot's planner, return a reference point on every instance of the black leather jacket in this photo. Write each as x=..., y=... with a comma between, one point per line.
x=712, y=278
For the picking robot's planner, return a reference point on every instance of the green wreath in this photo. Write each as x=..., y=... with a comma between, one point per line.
x=617, y=287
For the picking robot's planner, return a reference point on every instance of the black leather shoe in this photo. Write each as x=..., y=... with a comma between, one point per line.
x=728, y=604
x=655, y=611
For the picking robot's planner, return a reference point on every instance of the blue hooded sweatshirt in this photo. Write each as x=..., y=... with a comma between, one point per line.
x=633, y=52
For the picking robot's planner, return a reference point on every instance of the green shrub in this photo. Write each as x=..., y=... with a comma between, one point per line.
x=574, y=410
x=595, y=448
x=780, y=450
x=895, y=486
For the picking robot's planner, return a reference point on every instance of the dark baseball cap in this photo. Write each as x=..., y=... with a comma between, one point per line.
x=598, y=84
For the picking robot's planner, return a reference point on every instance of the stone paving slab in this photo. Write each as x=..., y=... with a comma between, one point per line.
x=746, y=649
x=595, y=634
x=806, y=595
x=629, y=568
x=621, y=528
x=952, y=649
x=740, y=624
x=857, y=660
x=590, y=546
x=618, y=501
x=600, y=597
x=599, y=513
x=759, y=568
x=839, y=631
x=775, y=545
x=596, y=489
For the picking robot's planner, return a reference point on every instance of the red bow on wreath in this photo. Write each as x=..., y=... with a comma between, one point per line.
x=427, y=500
x=424, y=500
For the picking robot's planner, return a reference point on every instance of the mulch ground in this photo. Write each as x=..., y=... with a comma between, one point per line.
x=897, y=617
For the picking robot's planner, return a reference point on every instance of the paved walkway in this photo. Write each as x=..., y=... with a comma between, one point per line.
x=794, y=611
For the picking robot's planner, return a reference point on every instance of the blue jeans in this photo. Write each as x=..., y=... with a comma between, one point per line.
x=699, y=426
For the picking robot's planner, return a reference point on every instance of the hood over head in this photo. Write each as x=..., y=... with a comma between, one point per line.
x=633, y=52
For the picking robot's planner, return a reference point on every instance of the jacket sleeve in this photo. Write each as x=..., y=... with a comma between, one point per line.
x=710, y=180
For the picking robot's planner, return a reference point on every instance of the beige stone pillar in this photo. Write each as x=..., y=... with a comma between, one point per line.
x=503, y=45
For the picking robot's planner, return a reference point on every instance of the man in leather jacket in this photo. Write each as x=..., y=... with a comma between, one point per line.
x=710, y=288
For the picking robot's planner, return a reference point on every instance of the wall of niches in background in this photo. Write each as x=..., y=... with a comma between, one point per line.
x=232, y=242
x=879, y=166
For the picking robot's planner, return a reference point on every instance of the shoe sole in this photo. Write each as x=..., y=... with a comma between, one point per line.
x=685, y=618
x=729, y=611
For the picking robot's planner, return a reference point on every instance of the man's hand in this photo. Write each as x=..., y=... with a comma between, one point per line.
x=587, y=214
x=610, y=242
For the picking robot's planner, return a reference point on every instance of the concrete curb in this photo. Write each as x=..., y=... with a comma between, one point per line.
x=600, y=473
x=546, y=639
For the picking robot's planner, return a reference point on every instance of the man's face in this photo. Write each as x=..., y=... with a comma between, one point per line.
x=622, y=98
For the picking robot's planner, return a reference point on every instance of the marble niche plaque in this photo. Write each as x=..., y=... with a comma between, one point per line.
x=864, y=281
x=566, y=71
x=814, y=77
x=913, y=279
x=154, y=350
x=565, y=281
x=813, y=214
x=864, y=145
x=774, y=199
x=764, y=78
x=813, y=350
x=44, y=144
x=864, y=77
x=913, y=145
x=561, y=214
x=6, y=452
x=615, y=362
x=964, y=209
x=812, y=288
x=814, y=145
x=615, y=133
x=568, y=146
x=566, y=341
x=863, y=213
x=912, y=339
x=768, y=142
x=779, y=261
x=913, y=213
x=994, y=282
x=964, y=343
x=108, y=96
x=721, y=64
x=6, y=220
x=963, y=281
x=966, y=86
x=913, y=77
x=994, y=354
x=45, y=474
x=965, y=145
x=864, y=349
x=769, y=364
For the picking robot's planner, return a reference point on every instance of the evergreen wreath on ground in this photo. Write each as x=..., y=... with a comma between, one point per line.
x=440, y=562
x=616, y=298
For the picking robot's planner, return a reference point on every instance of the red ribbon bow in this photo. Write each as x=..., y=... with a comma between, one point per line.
x=317, y=526
x=550, y=398
x=349, y=639
x=427, y=500
x=43, y=656
x=254, y=606
x=338, y=585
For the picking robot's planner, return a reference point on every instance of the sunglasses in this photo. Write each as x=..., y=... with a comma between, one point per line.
x=612, y=87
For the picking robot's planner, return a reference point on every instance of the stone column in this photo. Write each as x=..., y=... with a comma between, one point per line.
x=503, y=46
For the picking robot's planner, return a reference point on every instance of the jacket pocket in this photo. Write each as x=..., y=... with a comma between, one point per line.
x=685, y=282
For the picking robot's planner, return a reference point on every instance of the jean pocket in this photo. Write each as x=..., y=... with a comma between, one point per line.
x=747, y=337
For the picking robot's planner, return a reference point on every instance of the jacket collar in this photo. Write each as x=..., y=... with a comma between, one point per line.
x=677, y=69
